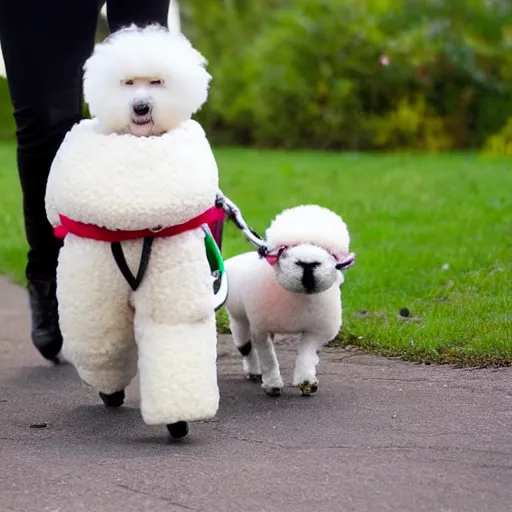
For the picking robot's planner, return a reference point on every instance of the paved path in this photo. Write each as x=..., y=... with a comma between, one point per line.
x=379, y=436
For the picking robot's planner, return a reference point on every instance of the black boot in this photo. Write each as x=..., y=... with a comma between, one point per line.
x=178, y=429
x=46, y=334
x=114, y=400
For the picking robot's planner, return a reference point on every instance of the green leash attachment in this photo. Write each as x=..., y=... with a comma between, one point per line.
x=216, y=262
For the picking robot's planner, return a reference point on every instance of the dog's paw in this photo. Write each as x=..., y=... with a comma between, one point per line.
x=308, y=388
x=254, y=377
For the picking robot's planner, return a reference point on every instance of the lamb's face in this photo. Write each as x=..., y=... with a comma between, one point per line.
x=307, y=269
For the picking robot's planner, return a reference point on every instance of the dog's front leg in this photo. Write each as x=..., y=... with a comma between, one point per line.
x=176, y=333
x=177, y=369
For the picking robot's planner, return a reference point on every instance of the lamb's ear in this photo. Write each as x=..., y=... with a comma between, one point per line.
x=346, y=262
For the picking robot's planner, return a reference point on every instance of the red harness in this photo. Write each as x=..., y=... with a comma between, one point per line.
x=210, y=217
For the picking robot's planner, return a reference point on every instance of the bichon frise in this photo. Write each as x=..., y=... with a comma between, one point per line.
x=131, y=190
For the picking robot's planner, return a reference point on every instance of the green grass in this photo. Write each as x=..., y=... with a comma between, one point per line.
x=431, y=233
x=409, y=216
x=13, y=247
x=7, y=127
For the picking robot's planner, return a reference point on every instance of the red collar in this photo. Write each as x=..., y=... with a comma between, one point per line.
x=102, y=234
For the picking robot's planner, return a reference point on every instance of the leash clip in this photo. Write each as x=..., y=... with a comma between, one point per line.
x=233, y=213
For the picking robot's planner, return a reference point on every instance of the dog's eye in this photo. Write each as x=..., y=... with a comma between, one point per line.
x=156, y=82
x=127, y=82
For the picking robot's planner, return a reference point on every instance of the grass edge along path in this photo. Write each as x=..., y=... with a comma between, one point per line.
x=432, y=234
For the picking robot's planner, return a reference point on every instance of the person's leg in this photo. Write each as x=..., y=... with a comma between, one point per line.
x=44, y=45
x=122, y=13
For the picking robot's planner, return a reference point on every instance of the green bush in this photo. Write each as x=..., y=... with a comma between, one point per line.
x=410, y=126
x=350, y=74
x=461, y=55
x=299, y=84
x=500, y=144
x=322, y=74
x=301, y=79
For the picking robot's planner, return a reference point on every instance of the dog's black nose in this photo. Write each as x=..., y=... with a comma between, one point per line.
x=141, y=108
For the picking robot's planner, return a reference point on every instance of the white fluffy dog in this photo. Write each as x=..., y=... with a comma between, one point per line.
x=293, y=290
x=139, y=178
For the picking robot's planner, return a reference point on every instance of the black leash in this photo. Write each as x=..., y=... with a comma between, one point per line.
x=117, y=252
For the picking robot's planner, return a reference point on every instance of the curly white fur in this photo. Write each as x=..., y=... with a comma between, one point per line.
x=265, y=300
x=104, y=176
x=124, y=57
x=311, y=224
x=128, y=182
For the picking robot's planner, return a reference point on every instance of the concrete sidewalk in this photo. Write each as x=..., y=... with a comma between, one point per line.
x=380, y=435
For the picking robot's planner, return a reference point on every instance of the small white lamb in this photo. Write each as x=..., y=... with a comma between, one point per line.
x=293, y=289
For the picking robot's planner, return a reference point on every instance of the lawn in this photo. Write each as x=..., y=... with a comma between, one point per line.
x=432, y=234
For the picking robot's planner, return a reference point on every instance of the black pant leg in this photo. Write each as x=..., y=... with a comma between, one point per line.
x=122, y=13
x=44, y=47
x=44, y=44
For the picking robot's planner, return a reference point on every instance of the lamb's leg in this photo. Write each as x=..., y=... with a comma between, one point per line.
x=242, y=339
x=272, y=381
x=304, y=375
